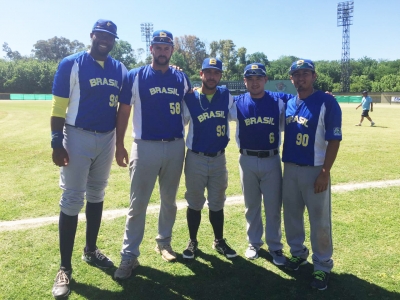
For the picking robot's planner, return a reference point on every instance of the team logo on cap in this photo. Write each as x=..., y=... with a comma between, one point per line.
x=254, y=67
x=163, y=34
x=300, y=62
x=108, y=24
x=213, y=61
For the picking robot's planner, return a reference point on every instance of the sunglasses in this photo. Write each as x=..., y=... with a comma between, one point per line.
x=162, y=39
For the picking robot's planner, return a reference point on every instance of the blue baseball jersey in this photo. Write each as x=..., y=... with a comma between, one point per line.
x=366, y=102
x=208, y=120
x=310, y=123
x=260, y=121
x=157, y=101
x=93, y=91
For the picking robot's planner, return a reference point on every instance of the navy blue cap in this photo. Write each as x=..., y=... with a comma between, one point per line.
x=365, y=92
x=212, y=63
x=305, y=64
x=105, y=26
x=255, y=69
x=162, y=37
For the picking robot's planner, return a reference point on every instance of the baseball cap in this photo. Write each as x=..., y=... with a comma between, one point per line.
x=105, y=26
x=255, y=69
x=162, y=37
x=365, y=92
x=306, y=64
x=212, y=63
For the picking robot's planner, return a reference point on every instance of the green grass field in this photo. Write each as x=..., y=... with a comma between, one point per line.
x=365, y=225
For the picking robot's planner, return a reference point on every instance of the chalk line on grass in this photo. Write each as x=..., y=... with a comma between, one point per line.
x=116, y=213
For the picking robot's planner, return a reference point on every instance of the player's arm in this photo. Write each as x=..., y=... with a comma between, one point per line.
x=57, y=120
x=121, y=155
x=322, y=181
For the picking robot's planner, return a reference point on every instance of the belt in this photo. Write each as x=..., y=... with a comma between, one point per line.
x=165, y=140
x=91, y=130
x=300, y=165
x=209, y=154
x=260, y=154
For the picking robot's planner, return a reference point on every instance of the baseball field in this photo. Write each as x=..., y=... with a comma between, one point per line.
x=365, y=224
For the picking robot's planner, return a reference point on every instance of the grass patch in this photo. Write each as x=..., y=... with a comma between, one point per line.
x=367, y=265
x=29, y=185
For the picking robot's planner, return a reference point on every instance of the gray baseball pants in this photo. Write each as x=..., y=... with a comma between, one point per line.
x=149, y=160
x=261, y=179
x=203, y=172
x=90, y=159
x=298, y=193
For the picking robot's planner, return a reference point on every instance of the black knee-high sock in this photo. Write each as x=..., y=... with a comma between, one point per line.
x=217, y=223
x=67, y=229
x=193, y=220
x=94, y=212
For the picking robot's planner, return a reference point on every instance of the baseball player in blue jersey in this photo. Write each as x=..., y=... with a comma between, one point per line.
x=312, y=138
x=86, y=89
x=365, y=103
x=260, y=120
x=156, y=92
x=207, y=110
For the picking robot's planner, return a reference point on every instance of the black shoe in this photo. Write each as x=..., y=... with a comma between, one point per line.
x=222, y=247
x=61, y=283
x=190, y=250
x=320, y=280
x=295, y=262
x=98, y=259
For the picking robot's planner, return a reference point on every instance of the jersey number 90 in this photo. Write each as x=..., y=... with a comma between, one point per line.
x=302, y=139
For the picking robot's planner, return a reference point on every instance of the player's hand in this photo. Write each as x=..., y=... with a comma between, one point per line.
x=121, y=156
x=322, y=181
x=60, y=157
x=176, y=67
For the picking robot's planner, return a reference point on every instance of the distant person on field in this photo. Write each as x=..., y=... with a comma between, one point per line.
x=365, y=103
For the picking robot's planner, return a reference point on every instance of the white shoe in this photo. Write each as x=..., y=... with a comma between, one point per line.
x=251, y=252
x=359, y=124
x=372, y=123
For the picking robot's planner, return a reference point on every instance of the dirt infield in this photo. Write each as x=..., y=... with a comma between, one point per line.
x=112, y=214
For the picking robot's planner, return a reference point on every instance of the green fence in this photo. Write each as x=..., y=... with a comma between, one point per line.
x=31, y=96
x=348, y=99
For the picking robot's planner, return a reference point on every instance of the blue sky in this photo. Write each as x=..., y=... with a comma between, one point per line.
x=307, y=29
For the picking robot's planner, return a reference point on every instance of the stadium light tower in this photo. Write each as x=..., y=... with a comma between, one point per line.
x=345, y=12
x=147, y=30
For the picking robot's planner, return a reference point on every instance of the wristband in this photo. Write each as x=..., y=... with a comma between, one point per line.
x=57, y=137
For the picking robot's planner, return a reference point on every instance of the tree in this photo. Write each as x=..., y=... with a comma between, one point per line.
x=360, y=83
x=257, y=57
x=12, y=55
x=388, y=83
x=123, y=52
x=226, y=52
x=193, y=51
x=279, y=69
x=28, y=76
x=56, y=48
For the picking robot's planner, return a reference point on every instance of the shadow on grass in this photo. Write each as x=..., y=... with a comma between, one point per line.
x=218, y=278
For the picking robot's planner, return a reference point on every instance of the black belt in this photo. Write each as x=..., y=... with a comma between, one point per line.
x=260, y=154
x=91, y=130
x=209, y=154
